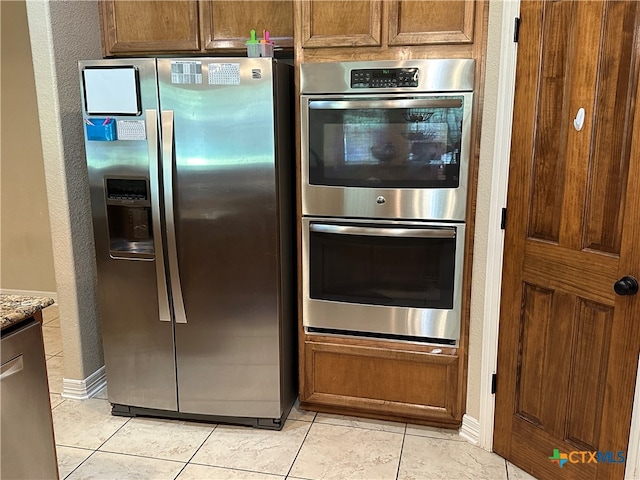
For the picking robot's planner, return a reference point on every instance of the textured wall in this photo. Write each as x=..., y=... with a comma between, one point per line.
x=27, y=257
x=63, y=32
x=485, y=170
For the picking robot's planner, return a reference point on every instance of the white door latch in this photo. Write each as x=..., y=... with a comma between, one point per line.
x=579, y=120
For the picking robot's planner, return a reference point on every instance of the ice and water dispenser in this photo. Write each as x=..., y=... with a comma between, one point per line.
x=129, y=217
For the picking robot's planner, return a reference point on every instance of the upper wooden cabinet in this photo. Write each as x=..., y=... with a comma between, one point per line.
x=341, y=23
x=430, y=22
x=149, y=26
x=226, y=24
x=191, y=26
x=352, y=23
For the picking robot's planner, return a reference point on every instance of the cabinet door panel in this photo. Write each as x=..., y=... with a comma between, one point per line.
x=341, y=23
x=150, y=26
x=398, y=383
x=227, y=24
x=430, y=22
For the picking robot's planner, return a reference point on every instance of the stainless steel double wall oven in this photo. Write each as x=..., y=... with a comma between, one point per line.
x=385, y=158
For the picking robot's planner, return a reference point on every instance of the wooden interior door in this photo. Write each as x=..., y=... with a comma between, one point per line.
x=568, y=344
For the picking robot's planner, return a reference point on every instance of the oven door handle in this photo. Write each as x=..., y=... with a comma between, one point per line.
x=390, y=103
x=384, y=231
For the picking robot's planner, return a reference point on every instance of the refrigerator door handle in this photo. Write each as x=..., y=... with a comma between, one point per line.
x=154, y=184
x=172, y=249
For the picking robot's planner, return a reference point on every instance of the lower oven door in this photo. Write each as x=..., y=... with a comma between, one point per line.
x=396, y=280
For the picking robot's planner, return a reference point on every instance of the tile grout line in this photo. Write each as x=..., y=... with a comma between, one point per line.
x=136, y=456
x=79, y=465
x=506, y=468
x=243, y=470
x=362, y=428
x=117, y=453
x=50, y=320
x=197, y=450
x=438, y=438
x=61, y=402
x=117, y=430
x=300, y=447
x=404, y=436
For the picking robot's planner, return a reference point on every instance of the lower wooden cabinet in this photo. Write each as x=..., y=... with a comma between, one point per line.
x=402, y=382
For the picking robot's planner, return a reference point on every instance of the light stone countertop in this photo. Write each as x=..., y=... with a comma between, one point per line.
x=15, y=308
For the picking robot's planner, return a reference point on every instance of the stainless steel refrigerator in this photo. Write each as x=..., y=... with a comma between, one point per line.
x=191, y=178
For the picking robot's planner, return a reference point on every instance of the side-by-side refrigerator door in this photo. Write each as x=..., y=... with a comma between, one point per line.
x=218, y=130
x=120, y=112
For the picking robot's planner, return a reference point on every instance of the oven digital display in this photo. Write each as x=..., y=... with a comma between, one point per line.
x=384, y=78
x=383, y=74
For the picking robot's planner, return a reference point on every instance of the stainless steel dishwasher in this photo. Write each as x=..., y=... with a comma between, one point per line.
x=28, y=447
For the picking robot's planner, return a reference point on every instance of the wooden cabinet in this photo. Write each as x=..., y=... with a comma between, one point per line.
x=353, y=30
x=378, y=378
x=226, y=25
x=430, y=22
x=389, y=380
x=149, y=26
x=191, y=26
x=341, y=24
x=385, y=23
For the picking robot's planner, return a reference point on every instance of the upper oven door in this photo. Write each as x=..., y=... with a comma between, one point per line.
x=393, y=156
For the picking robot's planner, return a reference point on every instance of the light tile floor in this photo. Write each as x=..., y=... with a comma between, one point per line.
x=93, y=444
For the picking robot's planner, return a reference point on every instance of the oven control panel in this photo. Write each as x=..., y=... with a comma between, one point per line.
x=384, y=78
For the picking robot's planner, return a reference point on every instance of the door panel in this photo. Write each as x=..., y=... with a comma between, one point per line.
x=568, y=345
x=340, y=23
x=227, y=25
x=227, y=354
x=138, y=347
x=150, y=26
x=590, y=353
x=611, y=138
x=430, y=22
x=543, y=327
x=548, y=161
x=537, y=305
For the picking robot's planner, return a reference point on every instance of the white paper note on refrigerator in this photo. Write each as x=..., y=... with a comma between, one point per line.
x=111, y=91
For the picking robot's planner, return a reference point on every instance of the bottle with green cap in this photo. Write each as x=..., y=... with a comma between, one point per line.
x=253, y=45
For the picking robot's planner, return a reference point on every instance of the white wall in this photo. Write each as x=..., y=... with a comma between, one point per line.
x=25, y=250
x=485, y=175
x=63, y=32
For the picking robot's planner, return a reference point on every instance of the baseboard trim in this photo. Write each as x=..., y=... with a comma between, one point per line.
x=84, y=389
x=470, y=429
x=29, y=293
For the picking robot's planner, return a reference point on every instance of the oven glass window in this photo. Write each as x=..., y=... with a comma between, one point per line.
x=386, y=147
x=379, y=270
